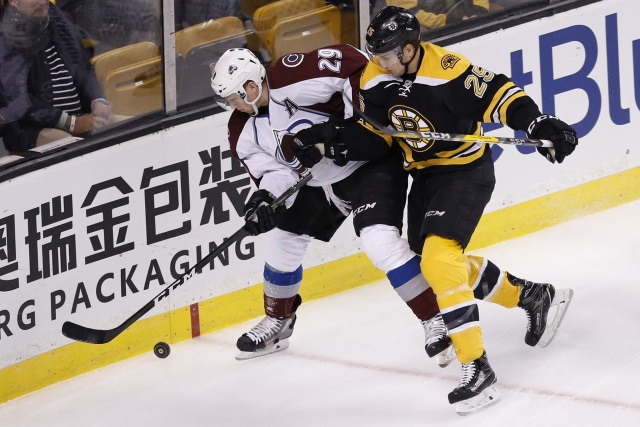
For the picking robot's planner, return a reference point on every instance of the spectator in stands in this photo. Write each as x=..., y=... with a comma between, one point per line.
x=47, y=87
x=434, y=14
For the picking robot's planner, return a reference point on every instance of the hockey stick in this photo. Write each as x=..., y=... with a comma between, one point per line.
x=102, y=336
x=484, y=139
x=439, y=136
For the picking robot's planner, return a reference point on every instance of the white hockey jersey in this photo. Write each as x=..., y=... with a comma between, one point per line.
x=304, y=89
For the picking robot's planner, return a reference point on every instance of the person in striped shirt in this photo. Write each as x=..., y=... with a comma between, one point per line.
x=48, y=89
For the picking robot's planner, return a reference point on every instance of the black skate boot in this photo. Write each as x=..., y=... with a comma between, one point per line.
x=536, y=299
x=477, y=389
x=270, y=335
x=437, y=342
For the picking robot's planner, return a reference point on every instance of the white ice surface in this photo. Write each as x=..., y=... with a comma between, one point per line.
x=357, y=358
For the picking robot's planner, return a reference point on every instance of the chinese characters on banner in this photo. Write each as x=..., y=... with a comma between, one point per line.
x=161, y=201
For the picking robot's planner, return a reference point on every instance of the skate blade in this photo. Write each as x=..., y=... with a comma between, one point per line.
x=561, y=301
x=445, y=357
x=279, y=346
x=488, y=397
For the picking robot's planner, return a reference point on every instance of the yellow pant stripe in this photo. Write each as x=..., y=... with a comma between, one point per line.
x=444, y=265
x=468, y=344
x=506, y=294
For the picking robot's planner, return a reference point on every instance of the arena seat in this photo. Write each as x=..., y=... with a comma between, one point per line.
x=206, y=33
x=201, y=45
x=249, y=7
x=287, y=26
x=131, y=78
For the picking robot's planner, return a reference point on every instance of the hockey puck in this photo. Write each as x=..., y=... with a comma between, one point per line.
x=162, y=350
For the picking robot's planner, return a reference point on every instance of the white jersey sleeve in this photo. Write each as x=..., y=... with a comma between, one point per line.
x=253, y=143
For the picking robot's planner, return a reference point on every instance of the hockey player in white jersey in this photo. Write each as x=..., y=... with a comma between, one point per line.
x=270, y=107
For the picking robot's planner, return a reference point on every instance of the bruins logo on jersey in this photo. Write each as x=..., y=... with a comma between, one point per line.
x=409, y=120
x=449, y=61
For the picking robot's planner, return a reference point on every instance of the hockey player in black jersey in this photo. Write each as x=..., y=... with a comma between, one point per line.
x=417, y=86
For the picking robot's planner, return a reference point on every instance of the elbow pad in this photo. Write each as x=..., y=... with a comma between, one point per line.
x=362, y=143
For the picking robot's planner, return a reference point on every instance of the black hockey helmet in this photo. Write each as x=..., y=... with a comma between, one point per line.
x=392, y=27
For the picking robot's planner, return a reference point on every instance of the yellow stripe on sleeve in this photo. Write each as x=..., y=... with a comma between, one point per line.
x=388, y=139
x=505, y=106
x=494, y=102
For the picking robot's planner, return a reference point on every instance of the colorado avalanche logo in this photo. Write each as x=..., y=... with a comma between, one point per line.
x=292, y=60
x=406, y=119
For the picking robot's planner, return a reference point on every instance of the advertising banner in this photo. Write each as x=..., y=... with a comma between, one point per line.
x=94, y=238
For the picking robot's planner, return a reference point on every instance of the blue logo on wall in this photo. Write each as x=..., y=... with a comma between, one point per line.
x=581, y=80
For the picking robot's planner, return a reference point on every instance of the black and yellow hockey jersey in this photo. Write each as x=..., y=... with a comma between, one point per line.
x=448, y=94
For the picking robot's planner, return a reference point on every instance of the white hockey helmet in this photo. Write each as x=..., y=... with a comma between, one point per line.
x=229, y=75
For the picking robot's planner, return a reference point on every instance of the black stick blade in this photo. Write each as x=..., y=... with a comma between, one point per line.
x=84, y=334
x=103, y=336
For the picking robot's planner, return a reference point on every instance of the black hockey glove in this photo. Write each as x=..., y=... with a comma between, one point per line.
x=259, y=216
x=563, y=136
x=305, y=149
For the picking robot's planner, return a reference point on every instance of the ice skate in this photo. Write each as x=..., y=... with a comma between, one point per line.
x=477, y=388
x=437, y=342
x=536, y=299
x=560, y=301
x=271, y=334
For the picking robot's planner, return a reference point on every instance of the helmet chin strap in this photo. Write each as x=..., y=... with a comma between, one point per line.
x=406, y=64
x=253, y=103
